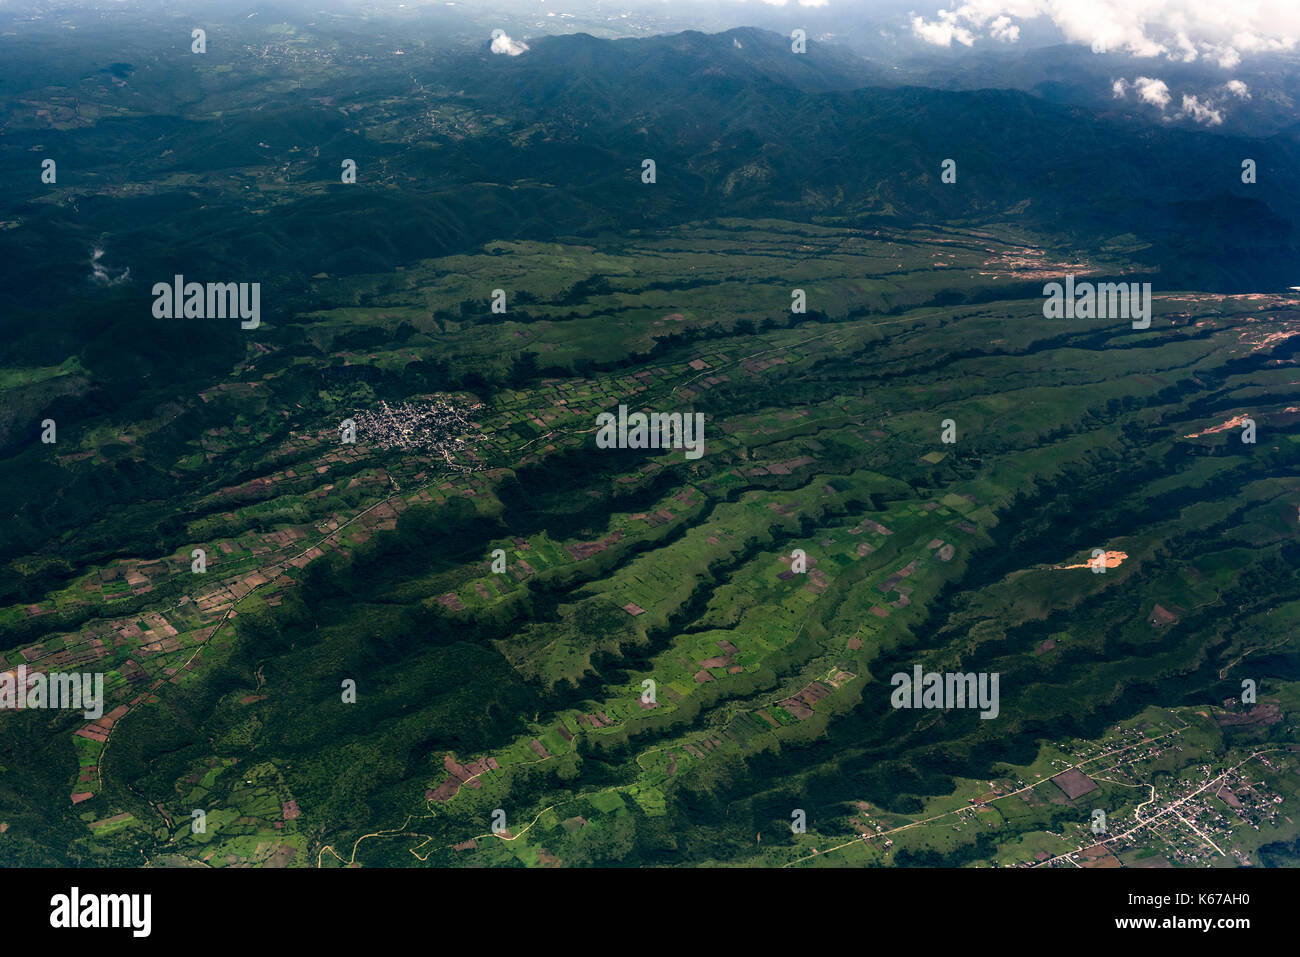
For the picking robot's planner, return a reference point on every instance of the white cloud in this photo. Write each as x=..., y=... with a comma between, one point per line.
x=1003, y=29
x=502, y=44
x=1153, y=91
x=1200, y=112
x=1183, y=30
x=1223, y=54
x=1187, y=51
x=1195, y=108
x=943, y=31
x=101, y=275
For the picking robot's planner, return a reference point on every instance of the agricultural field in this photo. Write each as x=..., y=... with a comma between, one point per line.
x=503, y=708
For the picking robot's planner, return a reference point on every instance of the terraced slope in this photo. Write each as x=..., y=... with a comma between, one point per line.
x=655, y=676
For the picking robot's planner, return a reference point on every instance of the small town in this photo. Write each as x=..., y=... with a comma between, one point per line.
x=418, y=426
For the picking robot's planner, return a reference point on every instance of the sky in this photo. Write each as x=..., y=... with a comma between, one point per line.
x=1217, y=33
x=1222, y=32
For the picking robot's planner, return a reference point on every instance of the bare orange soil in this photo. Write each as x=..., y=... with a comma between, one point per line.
x=1113, y=560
